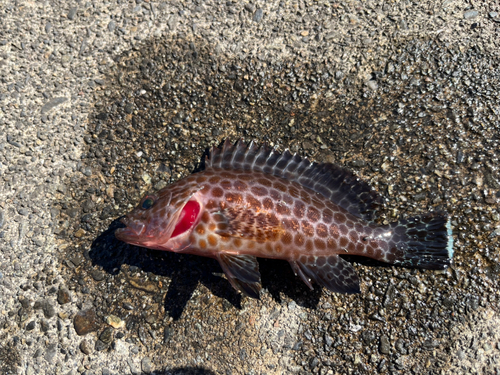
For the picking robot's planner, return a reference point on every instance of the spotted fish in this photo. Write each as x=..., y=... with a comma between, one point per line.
x=253, y=201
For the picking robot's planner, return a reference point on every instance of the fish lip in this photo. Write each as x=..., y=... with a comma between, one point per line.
x=131, y=232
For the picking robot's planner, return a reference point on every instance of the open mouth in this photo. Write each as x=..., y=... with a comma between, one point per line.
x=137, y=233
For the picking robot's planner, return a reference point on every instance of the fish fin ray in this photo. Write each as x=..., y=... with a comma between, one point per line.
x=334, y=182
x=242, y=271
x=332, y=272
x=423, y=241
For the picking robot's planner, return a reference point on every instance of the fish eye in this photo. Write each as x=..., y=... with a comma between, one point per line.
x=147, y=203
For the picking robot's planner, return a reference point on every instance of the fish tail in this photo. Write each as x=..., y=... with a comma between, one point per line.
x=423, y=241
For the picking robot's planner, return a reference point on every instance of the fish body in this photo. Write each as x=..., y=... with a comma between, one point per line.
x=252, y=202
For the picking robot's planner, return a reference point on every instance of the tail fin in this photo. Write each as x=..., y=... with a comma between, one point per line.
x=423, y=241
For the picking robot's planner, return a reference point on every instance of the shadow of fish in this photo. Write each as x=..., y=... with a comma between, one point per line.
x=252, y=201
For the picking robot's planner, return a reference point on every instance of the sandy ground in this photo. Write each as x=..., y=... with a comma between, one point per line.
x=102, y=101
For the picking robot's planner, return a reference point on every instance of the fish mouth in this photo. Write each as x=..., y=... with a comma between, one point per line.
x=132, y=233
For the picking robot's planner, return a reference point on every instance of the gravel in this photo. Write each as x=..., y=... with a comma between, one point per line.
x=103, y=101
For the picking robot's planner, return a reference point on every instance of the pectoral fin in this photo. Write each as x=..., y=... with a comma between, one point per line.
x=242, y=271
x=248, y=224
x=332, y=272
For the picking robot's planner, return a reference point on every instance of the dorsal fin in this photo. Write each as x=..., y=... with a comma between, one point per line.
x=332, y=181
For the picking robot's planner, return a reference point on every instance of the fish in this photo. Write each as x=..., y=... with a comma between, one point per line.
x=251, y=201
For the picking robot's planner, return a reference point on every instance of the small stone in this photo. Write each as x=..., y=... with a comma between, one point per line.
x=471, y=14
x=63, y=296
x=79, y=233
x=48, y=309
x=372, y=85
x=72, y=13
x=385, y=346
x=86, y=347
x=146, y=365
x=111, y=26
x=106, y=336
x=257, y=17
x=54, y=102
x=31, y=326
x=115, y=321
x=98, y=275
x=86, y=321
x=50, y=352
x=100, y=346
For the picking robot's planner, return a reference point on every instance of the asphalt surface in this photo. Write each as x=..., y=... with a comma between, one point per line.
x=101, y=102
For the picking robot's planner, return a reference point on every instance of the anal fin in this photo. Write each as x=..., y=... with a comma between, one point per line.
x=242, y=271
x=332, y=272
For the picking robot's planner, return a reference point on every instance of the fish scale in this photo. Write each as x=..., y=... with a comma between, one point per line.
x=252, y=202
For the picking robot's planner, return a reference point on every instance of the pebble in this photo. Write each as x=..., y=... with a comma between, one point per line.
x=86, y=347
x=257, y=17
x=52, y=103
x=48, y=309
x=471, y=14
x=72, y=13
x=86, y=321
x=2, y=218
x=50, y=352
x=146, y=365
x=385, y=346
x=111, y=26
x=115, y=321
x=107, y=335
x=98, y=275
x=79, y=233
x=63, y=296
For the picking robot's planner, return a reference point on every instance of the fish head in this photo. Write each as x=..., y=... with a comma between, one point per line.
x=163, y=220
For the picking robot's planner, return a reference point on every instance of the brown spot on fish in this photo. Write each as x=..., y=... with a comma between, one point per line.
x=259, y=191
x=293, y=191
x=269, y=247
x=253, y=203
x=275, y=195
x=313, y=214
x=299, y=239
x=280, y=186
x=205, y=217
x=267, y=204
x=211, y=204
x=288, y=200
x=226, y=184
x=214, y=180
x=235, y=198
x=319, y=244
x=305, y=196
x=211, y=227
x=307, y=228
x=202, y=244
x=239, y=185
x=322, y=230
x=212, y=240
x=343, y=242
x=265, y=182
x=309, y=246
x=282, y=209
x=205, y=189
x=327, y=216
x=217, y=192
x=200, y=178
x=286, y=239
x=200, y=229
x=222, y=226
x=225, y=238
x=339, y=217
x=332, y=244
x=237, y=242
x=299, y=210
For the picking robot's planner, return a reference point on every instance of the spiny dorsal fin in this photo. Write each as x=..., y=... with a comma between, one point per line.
x=332, y=181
